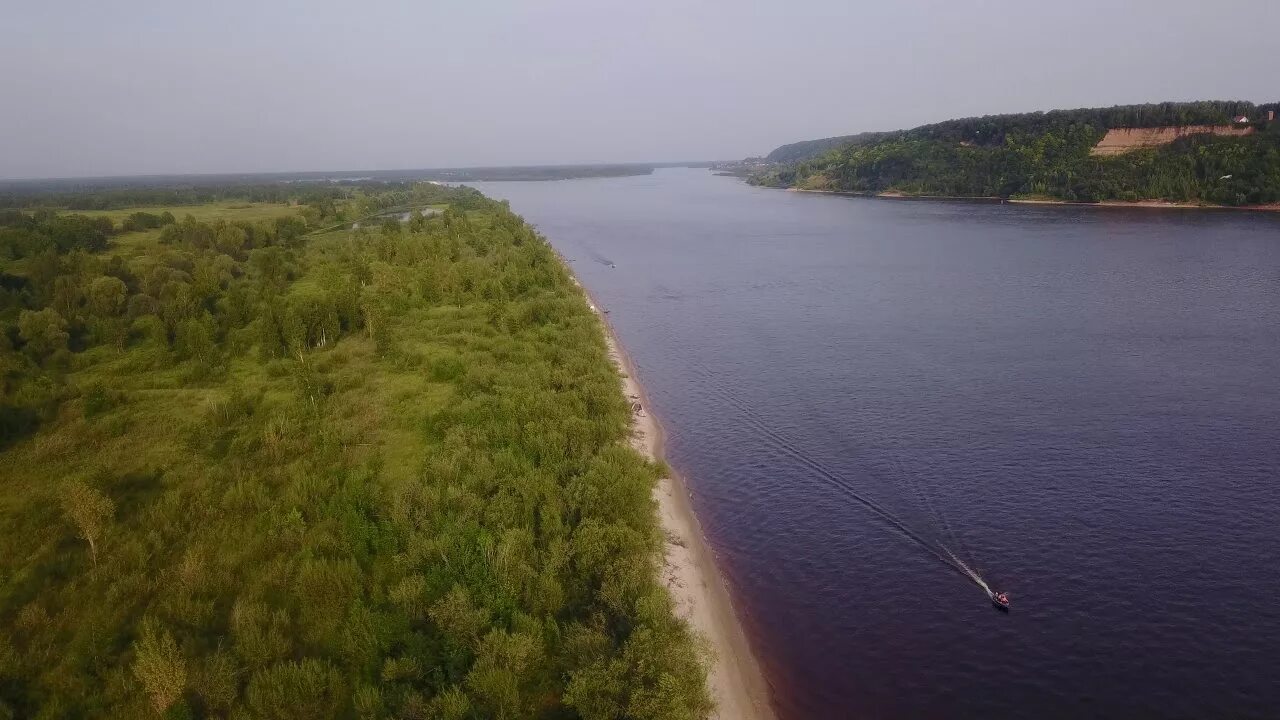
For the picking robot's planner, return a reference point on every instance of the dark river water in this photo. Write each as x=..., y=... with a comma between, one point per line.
x=1082, y=403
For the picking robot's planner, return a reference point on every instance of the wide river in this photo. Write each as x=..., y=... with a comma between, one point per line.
x=1084, y=404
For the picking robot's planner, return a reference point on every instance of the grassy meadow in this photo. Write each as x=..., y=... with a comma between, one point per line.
x=251, y=471
x=228, y=210
x=142, y=241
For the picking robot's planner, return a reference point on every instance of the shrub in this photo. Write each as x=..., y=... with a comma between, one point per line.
x=99, y=399
x=300, y=690
x=159, y=666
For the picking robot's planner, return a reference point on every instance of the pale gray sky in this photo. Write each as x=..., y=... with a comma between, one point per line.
x=167, y=86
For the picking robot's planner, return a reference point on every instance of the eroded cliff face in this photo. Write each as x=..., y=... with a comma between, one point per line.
x=1122, y=140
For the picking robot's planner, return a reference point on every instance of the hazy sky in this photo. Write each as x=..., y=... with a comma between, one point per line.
x=164, y=86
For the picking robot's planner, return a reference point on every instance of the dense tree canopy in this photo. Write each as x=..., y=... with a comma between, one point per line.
x=806, y=149
x=255, y=471
x=1048, y=154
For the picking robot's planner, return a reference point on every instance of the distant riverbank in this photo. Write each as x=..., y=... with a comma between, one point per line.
x=1151, y=204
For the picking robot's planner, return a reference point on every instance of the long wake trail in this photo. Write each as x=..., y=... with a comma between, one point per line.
x=597, y=257
x=790, y=448
x=952, y=537
x=974, y=576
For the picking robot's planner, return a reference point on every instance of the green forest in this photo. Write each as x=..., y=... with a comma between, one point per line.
x=1047, y=155
x=260, y=464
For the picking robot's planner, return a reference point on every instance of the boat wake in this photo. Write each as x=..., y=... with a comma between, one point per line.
x=792, y=449
x=970, y=572
x=597, y=257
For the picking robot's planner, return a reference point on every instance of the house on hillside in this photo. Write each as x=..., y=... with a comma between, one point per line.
x=1241, y=120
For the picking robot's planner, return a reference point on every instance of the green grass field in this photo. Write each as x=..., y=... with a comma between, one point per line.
x=144, y=241
x=231, y=211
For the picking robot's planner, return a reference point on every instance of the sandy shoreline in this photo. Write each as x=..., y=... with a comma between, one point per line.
x=689, y=572
x=1148, y=204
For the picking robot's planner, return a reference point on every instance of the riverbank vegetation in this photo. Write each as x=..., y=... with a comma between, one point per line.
x=251, y=470
x=108, y=193
x=1048, y=155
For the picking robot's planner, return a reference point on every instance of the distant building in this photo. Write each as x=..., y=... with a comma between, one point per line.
x=1241, y=120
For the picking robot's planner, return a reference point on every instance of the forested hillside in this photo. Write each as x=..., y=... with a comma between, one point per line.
x=252, y=470
x=1048, y=155
x=805, y=149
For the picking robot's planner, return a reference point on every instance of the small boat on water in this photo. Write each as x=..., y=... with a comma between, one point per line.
x=1000, y=600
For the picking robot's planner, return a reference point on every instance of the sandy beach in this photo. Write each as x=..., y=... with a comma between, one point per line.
x=1151, y=204
x=689, y=572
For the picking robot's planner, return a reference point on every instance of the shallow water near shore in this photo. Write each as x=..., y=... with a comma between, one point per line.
x=1083, y=404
